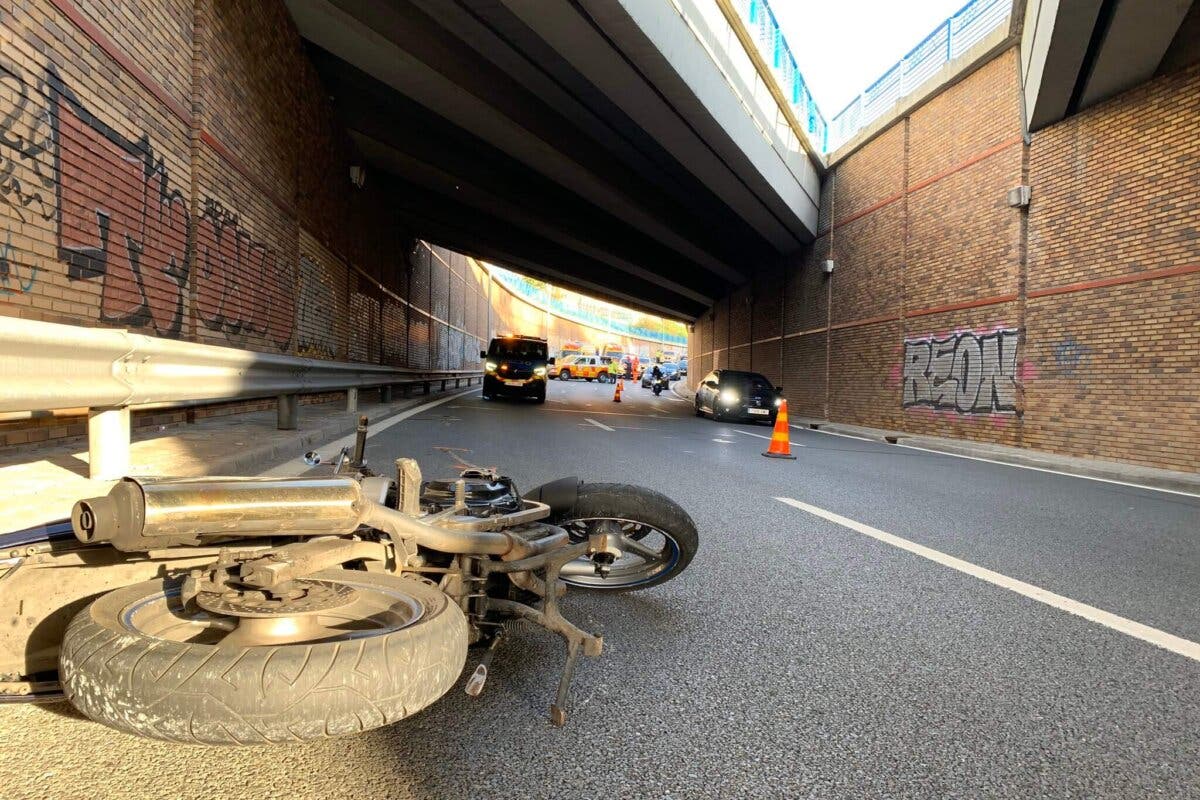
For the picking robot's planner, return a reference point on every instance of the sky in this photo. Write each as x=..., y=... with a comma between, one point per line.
x=858, y=40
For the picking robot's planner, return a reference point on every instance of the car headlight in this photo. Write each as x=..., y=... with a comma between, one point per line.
x=778, y=402
x=539, y=370
x=729, y=397
x=490, y=366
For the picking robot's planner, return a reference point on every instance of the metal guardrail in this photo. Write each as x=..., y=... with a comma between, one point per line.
x=947, y=42
x=773, y=47
x=46, y=366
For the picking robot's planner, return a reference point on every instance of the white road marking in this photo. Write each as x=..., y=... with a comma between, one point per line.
x=760, y=436
x=598, y=413
x=723, y=441
x=295, y=466
x=599, y=425
x=831, y=433
x=1005, y=463
x=1137, y=630
x=1051, y=471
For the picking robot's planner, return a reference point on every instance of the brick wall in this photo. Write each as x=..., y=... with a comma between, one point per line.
x=176, y=169
x=1072, y=327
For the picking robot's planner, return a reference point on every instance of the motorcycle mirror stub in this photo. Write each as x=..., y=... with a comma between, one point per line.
x=312, y=458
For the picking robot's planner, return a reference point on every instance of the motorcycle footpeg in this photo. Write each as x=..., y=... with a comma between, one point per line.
x=477, y=680
x=479, y=677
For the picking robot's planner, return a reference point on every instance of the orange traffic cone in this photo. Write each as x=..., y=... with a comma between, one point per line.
x=617, y=390
x=781, y=446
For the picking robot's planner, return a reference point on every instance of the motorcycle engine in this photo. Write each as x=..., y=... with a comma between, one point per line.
x=486, y=493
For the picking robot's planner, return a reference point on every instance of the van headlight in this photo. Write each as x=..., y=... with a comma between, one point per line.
x=539, y=371
x=490, y=366
x=729, y=397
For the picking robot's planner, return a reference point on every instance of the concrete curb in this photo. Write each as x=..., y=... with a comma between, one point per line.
x=1150, y=477
x=687, y=392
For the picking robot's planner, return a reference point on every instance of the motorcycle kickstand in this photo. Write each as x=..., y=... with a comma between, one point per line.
x=479, y=677
x=558, y=712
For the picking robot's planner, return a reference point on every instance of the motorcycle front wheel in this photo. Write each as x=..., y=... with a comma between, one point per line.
x=138, y=659
x=659, y=539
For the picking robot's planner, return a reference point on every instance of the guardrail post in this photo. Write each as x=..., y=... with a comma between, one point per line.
x=443, y=384
x=288, y=412
x=426, y=387
x=352, y=401
x=385, y=393
x=108, y=443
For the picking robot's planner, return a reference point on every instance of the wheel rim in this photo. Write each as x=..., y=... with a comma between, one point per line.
x=647, y=553
x=374, y=611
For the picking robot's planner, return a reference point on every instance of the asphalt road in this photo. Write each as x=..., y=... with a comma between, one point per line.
x=797, y=657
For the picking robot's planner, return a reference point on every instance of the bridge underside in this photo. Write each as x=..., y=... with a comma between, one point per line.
x=556, y=138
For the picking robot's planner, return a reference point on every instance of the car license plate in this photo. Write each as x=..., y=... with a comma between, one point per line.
x=759, y=410
x=514, y=383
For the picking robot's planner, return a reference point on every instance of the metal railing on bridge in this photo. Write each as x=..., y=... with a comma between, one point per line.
x=773, y=47
x=947, y=42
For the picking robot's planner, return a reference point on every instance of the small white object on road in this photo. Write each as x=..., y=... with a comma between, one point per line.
x=1137, y=630
x=600, y=425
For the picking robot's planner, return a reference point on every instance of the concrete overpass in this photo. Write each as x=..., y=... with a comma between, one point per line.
x=606, y=145
x=1077, y=53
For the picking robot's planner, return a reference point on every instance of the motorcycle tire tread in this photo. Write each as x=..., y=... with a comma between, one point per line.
x=642, y=504
x=199, y=693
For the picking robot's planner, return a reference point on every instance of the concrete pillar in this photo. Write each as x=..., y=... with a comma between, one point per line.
x=287, y=412
x=385, y=394
x=352, y=401
x=108, y=443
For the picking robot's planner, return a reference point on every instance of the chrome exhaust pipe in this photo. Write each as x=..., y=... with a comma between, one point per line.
x=141, y=514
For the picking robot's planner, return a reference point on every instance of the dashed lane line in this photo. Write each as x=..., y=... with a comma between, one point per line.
x=760, y=436
x=599, y=425
x=1137, y=630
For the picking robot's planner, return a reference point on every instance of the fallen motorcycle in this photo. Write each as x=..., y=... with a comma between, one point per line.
x=292, y=609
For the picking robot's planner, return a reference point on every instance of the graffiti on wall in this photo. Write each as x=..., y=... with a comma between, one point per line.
x=14, y=277
x=316, y=311
x=123, y=222
x=242, y=287
x=968, y=372
x=26, y=147
x=1070, y=356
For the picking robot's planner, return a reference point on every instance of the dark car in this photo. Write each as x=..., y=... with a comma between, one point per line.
x=729, y=394
x=515, y=366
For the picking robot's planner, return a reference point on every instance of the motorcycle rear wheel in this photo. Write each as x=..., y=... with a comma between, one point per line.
x=138, y=660
x=662, y=537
